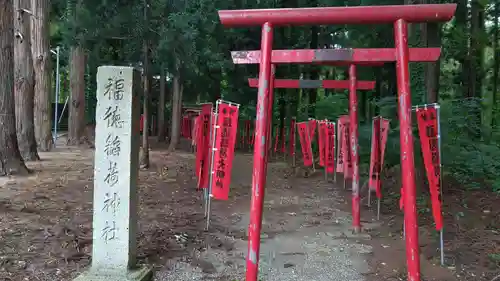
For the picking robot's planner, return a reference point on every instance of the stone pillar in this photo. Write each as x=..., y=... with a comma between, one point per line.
x=115, y=177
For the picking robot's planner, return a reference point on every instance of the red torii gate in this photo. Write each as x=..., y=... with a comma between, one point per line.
x=313, y=84
x=400, y=16
x=367, y=57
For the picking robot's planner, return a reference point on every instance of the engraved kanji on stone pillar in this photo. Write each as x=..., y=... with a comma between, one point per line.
x=115, y=177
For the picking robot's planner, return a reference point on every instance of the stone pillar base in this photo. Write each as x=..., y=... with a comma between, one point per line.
x=143, y=273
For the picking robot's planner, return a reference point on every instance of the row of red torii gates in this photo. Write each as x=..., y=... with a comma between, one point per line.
x=400, y=16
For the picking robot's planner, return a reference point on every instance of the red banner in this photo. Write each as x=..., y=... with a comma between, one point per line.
x=312, y=129
x=305, y=143
x=322, y=138
x=206, y=172
x=292, y=137
x=196, y=124
x=225, y=139
x=428, y=131
x=202, y=153
x=379, y=138
x=330, y=147
x=343, y=154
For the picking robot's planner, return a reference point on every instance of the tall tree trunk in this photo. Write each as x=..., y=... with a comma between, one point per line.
x=432, y=69
x=11, y=161
x=161, y=106
x=496, y=64
x=24, y=82
x=40, y=49
x=144, y=152
x=144, y=159
x=176, y=113
x=76, y=121
x=475, y=58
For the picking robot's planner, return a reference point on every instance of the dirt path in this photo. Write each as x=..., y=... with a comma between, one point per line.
x=45, y=226
x=304, y=232
x=45, y=223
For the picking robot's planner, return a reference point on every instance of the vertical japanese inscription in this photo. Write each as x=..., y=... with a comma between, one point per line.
x=112, y=117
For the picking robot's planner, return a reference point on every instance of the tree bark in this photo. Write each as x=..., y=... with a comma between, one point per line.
x=24, y=82
x=176, y=113
x=432, y=69
x=144, y=158
x=161, y=106
x=496, y=64
x=40, y=49
x=144, y=152
x=475, y=64
x=11, y=161
x=76, y=121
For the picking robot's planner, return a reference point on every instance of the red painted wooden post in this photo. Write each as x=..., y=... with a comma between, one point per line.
x=260, y=154
x=353, y=134
x=406, y=140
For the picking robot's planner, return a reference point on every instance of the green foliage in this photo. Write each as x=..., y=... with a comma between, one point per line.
x=186, y=38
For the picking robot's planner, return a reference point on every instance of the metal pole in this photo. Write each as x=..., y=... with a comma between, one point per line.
x=213, y=139
x=56, y=103
x=64, y=109
x=407, y=154
x=353, y=127
x=260, y=154
x=441, y=232
x=335, y=152
x=378, y=208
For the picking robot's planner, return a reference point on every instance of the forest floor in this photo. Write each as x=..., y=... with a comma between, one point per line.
x=46, y=234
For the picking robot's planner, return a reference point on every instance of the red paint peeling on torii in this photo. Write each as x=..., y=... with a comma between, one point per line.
x=397, y=15
x=325, y=84
x=337, y=57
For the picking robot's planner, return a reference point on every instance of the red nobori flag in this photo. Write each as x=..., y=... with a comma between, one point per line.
x=343, y=154
x=322, y=139
x=305, y=143
x=428, y=131
x=225, y=138
x=292, y=137
x=379, y=139
x=312, y=128
x=330, y=147
x=206, y=172
x=202, y=153
x=196, y=124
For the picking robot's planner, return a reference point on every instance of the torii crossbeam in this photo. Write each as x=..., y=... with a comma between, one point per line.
x=399, y=16
x=313, y=84
x=337, y=57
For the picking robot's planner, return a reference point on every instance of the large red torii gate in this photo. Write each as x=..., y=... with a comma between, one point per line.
x=400, y=16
